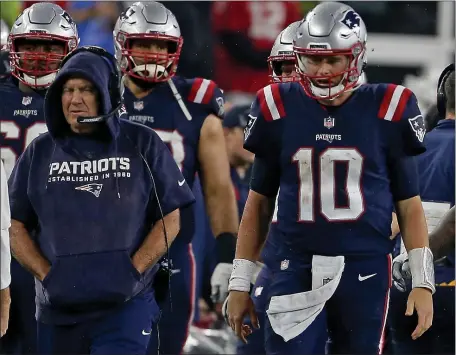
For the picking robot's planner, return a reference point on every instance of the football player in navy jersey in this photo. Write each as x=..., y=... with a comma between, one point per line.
x=436, y=171
x=338, y=155
x=38, y=41
x=186, y=114
x=281, y=63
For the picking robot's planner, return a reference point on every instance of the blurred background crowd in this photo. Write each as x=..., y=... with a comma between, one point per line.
x=229, y=42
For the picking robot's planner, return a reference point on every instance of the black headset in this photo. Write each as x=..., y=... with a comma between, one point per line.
x=114, y=84
x=441, y=96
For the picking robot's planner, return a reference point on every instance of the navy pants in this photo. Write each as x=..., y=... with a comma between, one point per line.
x=440, y=338
x=125, y=331
x=255, y=345
x=177, y=313
x=21, y=335
x=354, y=316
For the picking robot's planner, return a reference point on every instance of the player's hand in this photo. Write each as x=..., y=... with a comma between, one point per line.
x=5, y=302
x=401, y=272
x=219, y=282
x=421, y=300
x=236, y=307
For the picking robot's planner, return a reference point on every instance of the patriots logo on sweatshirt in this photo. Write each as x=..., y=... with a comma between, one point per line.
x=92, y=188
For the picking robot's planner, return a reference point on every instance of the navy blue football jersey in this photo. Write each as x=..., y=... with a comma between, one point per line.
x=336, y=181
x=21, y=121
x=161, y=112
x=436, y=173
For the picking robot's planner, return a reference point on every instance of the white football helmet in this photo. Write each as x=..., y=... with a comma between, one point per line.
x=40, y=22
x=330, y=29
x=282, y=51
x=147, y=21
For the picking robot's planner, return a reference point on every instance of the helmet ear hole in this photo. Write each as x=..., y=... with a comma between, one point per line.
x=277, y=67
x=172, y=47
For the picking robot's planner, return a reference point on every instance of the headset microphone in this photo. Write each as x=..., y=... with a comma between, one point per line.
x=99, y=118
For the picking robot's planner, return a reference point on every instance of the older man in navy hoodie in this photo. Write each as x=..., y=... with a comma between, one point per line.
x=102, y=202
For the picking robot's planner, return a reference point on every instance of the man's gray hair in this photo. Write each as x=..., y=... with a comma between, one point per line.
x=449, y=93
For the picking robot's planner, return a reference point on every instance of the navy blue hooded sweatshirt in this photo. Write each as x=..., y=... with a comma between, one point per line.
x=90, y=201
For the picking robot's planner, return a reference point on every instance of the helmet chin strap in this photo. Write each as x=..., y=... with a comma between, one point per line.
x=42, y=81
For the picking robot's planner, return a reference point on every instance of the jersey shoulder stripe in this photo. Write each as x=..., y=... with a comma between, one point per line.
x=271, y=103
x=394, y=102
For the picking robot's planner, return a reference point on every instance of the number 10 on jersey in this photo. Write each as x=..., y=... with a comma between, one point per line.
x=328, y=185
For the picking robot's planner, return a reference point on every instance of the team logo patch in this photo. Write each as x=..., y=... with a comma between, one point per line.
x=249, y=127
x=329, y=122
x=326, y=281
x=122, y=111
x=27, y=100
x=94, y=189
x=221, y=106
x=284, y=264
x=351, y=19
x=138, y=105
x=417, y=124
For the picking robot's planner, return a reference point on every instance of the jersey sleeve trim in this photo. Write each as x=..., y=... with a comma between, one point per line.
x=394, y=102
x=201, y=91
x=271, y=103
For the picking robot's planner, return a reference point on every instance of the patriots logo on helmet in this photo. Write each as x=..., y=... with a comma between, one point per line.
x=94, y=189
x=417, y=124
x=351, y=19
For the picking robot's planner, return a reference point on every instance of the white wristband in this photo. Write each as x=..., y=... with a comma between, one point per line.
x=241, y=275
x=421, y=263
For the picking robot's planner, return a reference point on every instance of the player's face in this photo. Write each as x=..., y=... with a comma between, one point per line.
x=79, y=99
x=40, y=55
x=149, y=51
x=288, y=71
x=326, y=67
x=234, y=138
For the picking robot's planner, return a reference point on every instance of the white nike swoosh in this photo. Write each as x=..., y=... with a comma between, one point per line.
x=362, y=278
x=175, y=271
x=146, y=333
x=181, y=183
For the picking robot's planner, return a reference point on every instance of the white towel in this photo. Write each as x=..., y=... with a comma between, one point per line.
x=290, y=315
